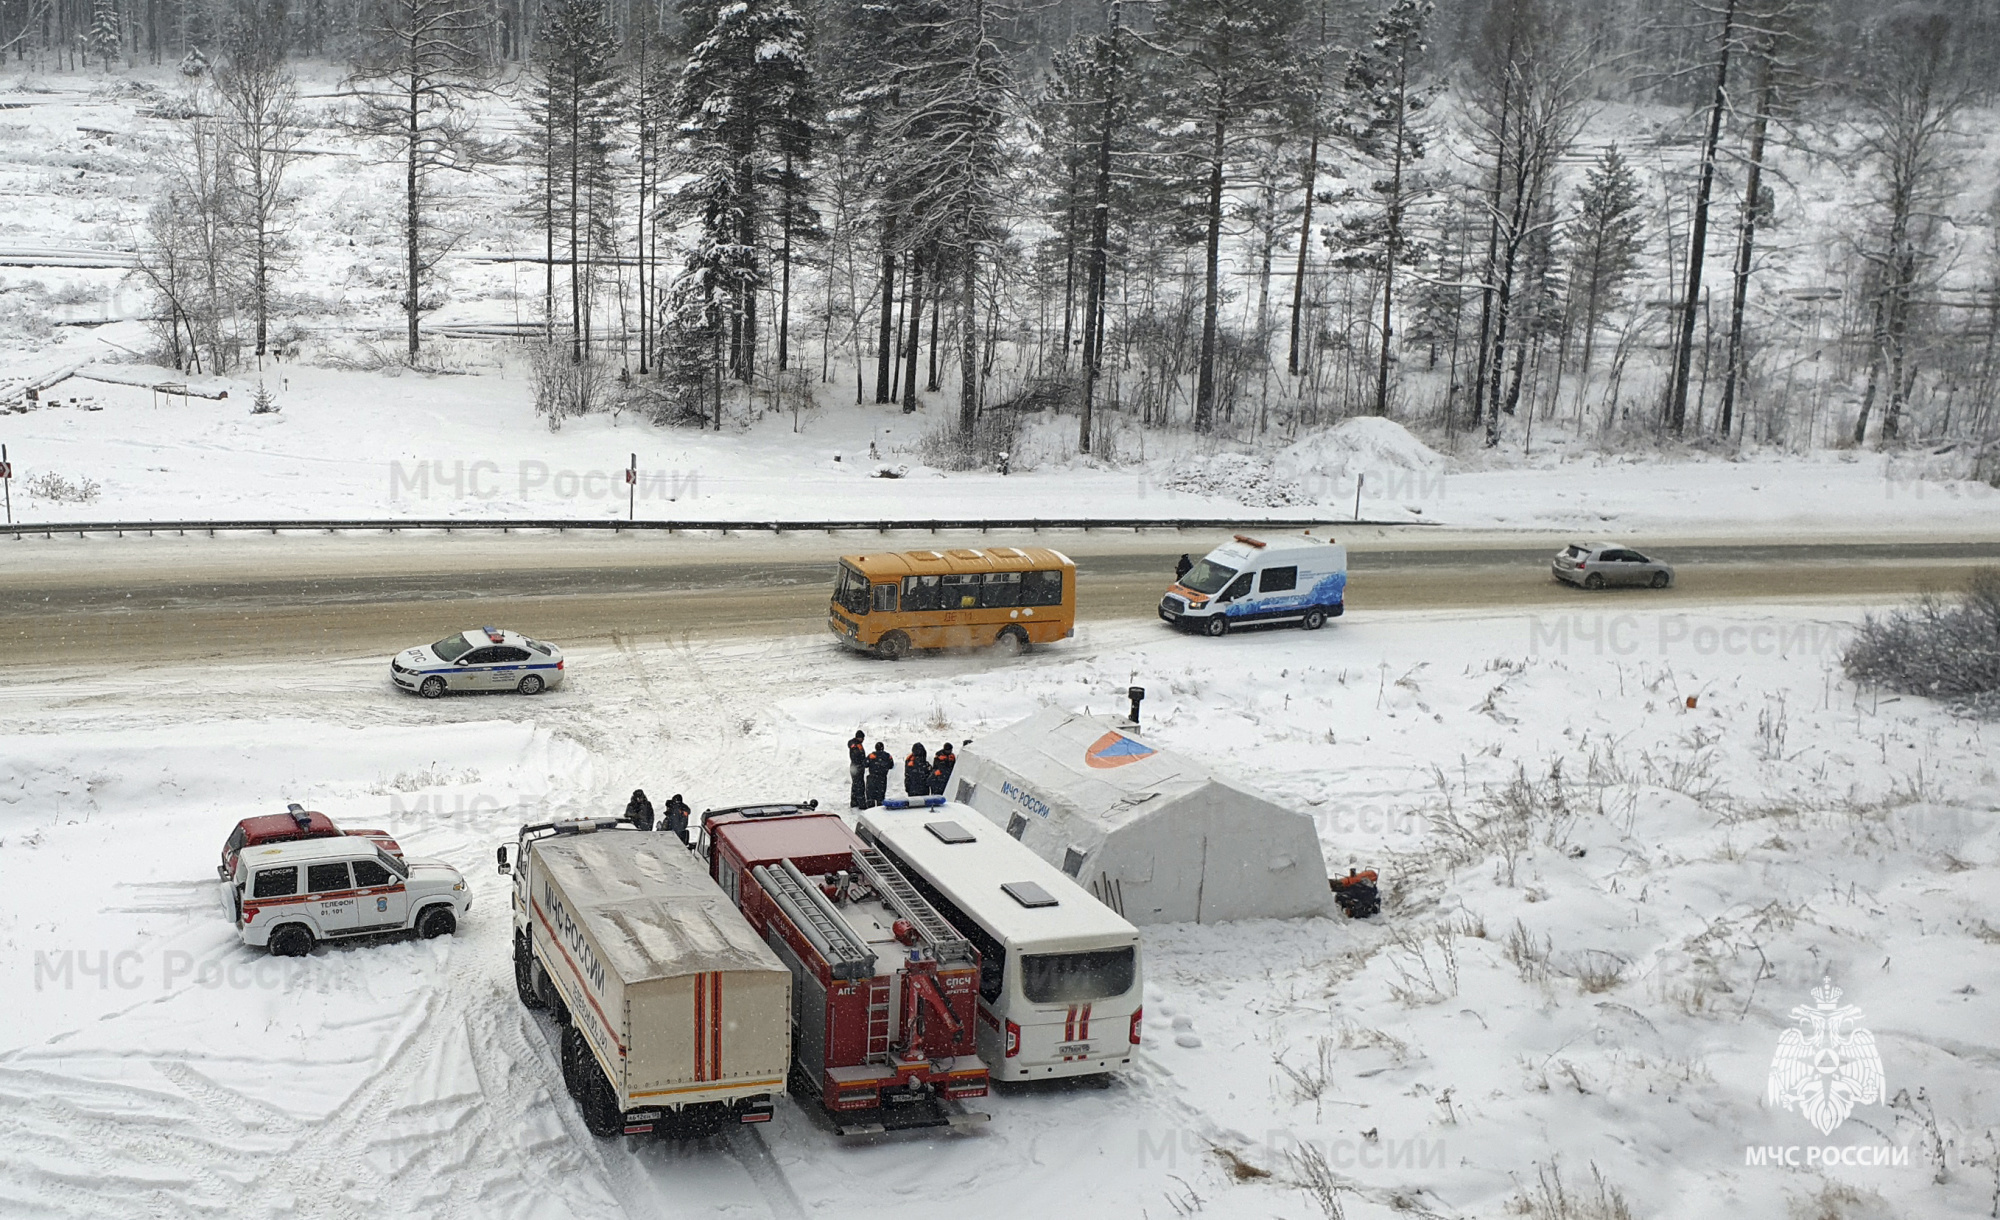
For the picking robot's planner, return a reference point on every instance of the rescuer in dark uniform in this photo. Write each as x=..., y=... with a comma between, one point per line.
x=857, y=771
x=1182, y=568
x=917, y=771
x=674, y=818
x=941, y=765
x=880, y=763
x=639, y=810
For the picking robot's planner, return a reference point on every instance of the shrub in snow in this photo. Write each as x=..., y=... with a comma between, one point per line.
x=263, y=402
x=566, y=386
x=55, y=488
x=949, y=447
x=1947, y=650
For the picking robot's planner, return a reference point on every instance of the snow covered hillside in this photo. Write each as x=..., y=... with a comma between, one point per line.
x=1614, y=865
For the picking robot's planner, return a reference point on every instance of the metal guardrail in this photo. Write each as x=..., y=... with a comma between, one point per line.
x=454, y=524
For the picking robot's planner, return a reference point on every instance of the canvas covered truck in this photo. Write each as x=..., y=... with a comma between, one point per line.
x=884, y=990
x=675, y=1016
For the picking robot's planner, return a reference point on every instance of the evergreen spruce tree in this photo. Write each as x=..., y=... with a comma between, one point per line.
x=1606, y=238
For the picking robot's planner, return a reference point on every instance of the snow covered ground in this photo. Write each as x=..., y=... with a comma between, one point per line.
x=359, y=444
x=1619, y=850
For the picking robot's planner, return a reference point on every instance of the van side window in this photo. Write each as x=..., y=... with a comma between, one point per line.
x=325, y=878
x=885, y=598
x=1278, y=580
x=961, y=592
x=1240, y=587
x=276, y=883
x=1041, y=588
x=1001, y=589
x=922, y=593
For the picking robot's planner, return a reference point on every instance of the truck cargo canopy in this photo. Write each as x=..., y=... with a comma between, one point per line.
x=651, y=907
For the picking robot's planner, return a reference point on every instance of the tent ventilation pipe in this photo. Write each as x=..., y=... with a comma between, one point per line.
x=1138, y=694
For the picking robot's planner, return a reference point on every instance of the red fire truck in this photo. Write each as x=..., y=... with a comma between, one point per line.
x=884, y=991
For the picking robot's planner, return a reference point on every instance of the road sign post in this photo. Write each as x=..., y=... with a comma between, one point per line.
x=632, y=489
x=7, y=481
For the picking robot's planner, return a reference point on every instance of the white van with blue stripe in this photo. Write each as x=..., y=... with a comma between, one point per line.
x=1289, y=578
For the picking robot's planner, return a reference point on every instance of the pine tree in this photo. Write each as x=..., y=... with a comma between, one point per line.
x=1606, y=238
x=107, y=36
x=573, y=109
x=1384, y=106
x=745, y=109
x=1226, y=77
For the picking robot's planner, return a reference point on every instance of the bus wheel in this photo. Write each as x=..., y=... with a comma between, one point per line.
x=1012, y=641
x=1315, y=619
x=1217, y=624
x=893, y=646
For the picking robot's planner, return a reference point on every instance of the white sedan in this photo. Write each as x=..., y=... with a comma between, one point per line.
x=487, y=659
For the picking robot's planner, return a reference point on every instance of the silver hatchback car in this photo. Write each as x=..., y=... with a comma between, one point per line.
x=1599, y=565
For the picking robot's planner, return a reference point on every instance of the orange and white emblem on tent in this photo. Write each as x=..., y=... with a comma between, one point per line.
x=1114, y=749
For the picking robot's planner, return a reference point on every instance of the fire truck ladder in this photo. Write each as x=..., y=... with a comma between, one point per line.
x=847, y=955
x=943, y=939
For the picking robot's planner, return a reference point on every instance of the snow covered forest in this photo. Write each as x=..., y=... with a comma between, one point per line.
x=1636, y=222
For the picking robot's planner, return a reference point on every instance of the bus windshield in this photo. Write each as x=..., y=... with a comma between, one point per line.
x=1207, y=577
x=850, y=592
x=1078, y=978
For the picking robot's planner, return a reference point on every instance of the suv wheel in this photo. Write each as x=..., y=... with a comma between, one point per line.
x=1315, y=619
x=436, y=922
x=530, y=685
x=292, y=940
x=1216, y=625
x=433, y=688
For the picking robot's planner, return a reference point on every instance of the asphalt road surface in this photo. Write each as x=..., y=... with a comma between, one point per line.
x=144, y=600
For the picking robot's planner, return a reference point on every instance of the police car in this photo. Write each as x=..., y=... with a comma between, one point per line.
x=486, y=659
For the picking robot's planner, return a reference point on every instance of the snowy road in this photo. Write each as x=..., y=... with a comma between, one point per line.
x=310, y=595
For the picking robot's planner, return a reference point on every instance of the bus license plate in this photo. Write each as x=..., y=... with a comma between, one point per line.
x=1073, y=1048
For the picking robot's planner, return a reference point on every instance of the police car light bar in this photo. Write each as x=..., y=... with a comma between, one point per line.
x=493, y=634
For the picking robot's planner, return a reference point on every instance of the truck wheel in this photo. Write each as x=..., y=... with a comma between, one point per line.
x=436, y=922
x=524, y=973
x=292, y=940
x=893, y=647
x=1011, y=642
x=1315, y=619
x=1216, y=625
x=530, y=685
x=574, y=1056
x=599, y=1104
x=433, y=688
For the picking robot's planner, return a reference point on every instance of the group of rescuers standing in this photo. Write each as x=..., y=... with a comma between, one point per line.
x=924, y=774
x=868, y=771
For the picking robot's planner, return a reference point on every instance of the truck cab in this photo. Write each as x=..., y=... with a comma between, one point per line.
x=1252, y=581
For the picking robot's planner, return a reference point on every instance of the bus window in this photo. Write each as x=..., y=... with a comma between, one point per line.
x=961, y=592
x=852, y=591
x=885, y=598
x=1001, y=589
x=1041, y=588
x=1077, y=978
x=922, y=593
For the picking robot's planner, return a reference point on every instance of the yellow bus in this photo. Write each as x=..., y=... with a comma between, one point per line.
x=1008, y=597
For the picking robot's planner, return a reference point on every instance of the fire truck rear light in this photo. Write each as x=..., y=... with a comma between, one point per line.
x=763, y=1116
x=1138, y=1015
x=1013, y=1040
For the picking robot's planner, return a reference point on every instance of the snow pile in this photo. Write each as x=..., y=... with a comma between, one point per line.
x=1365, y=445
x=1242, y=477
